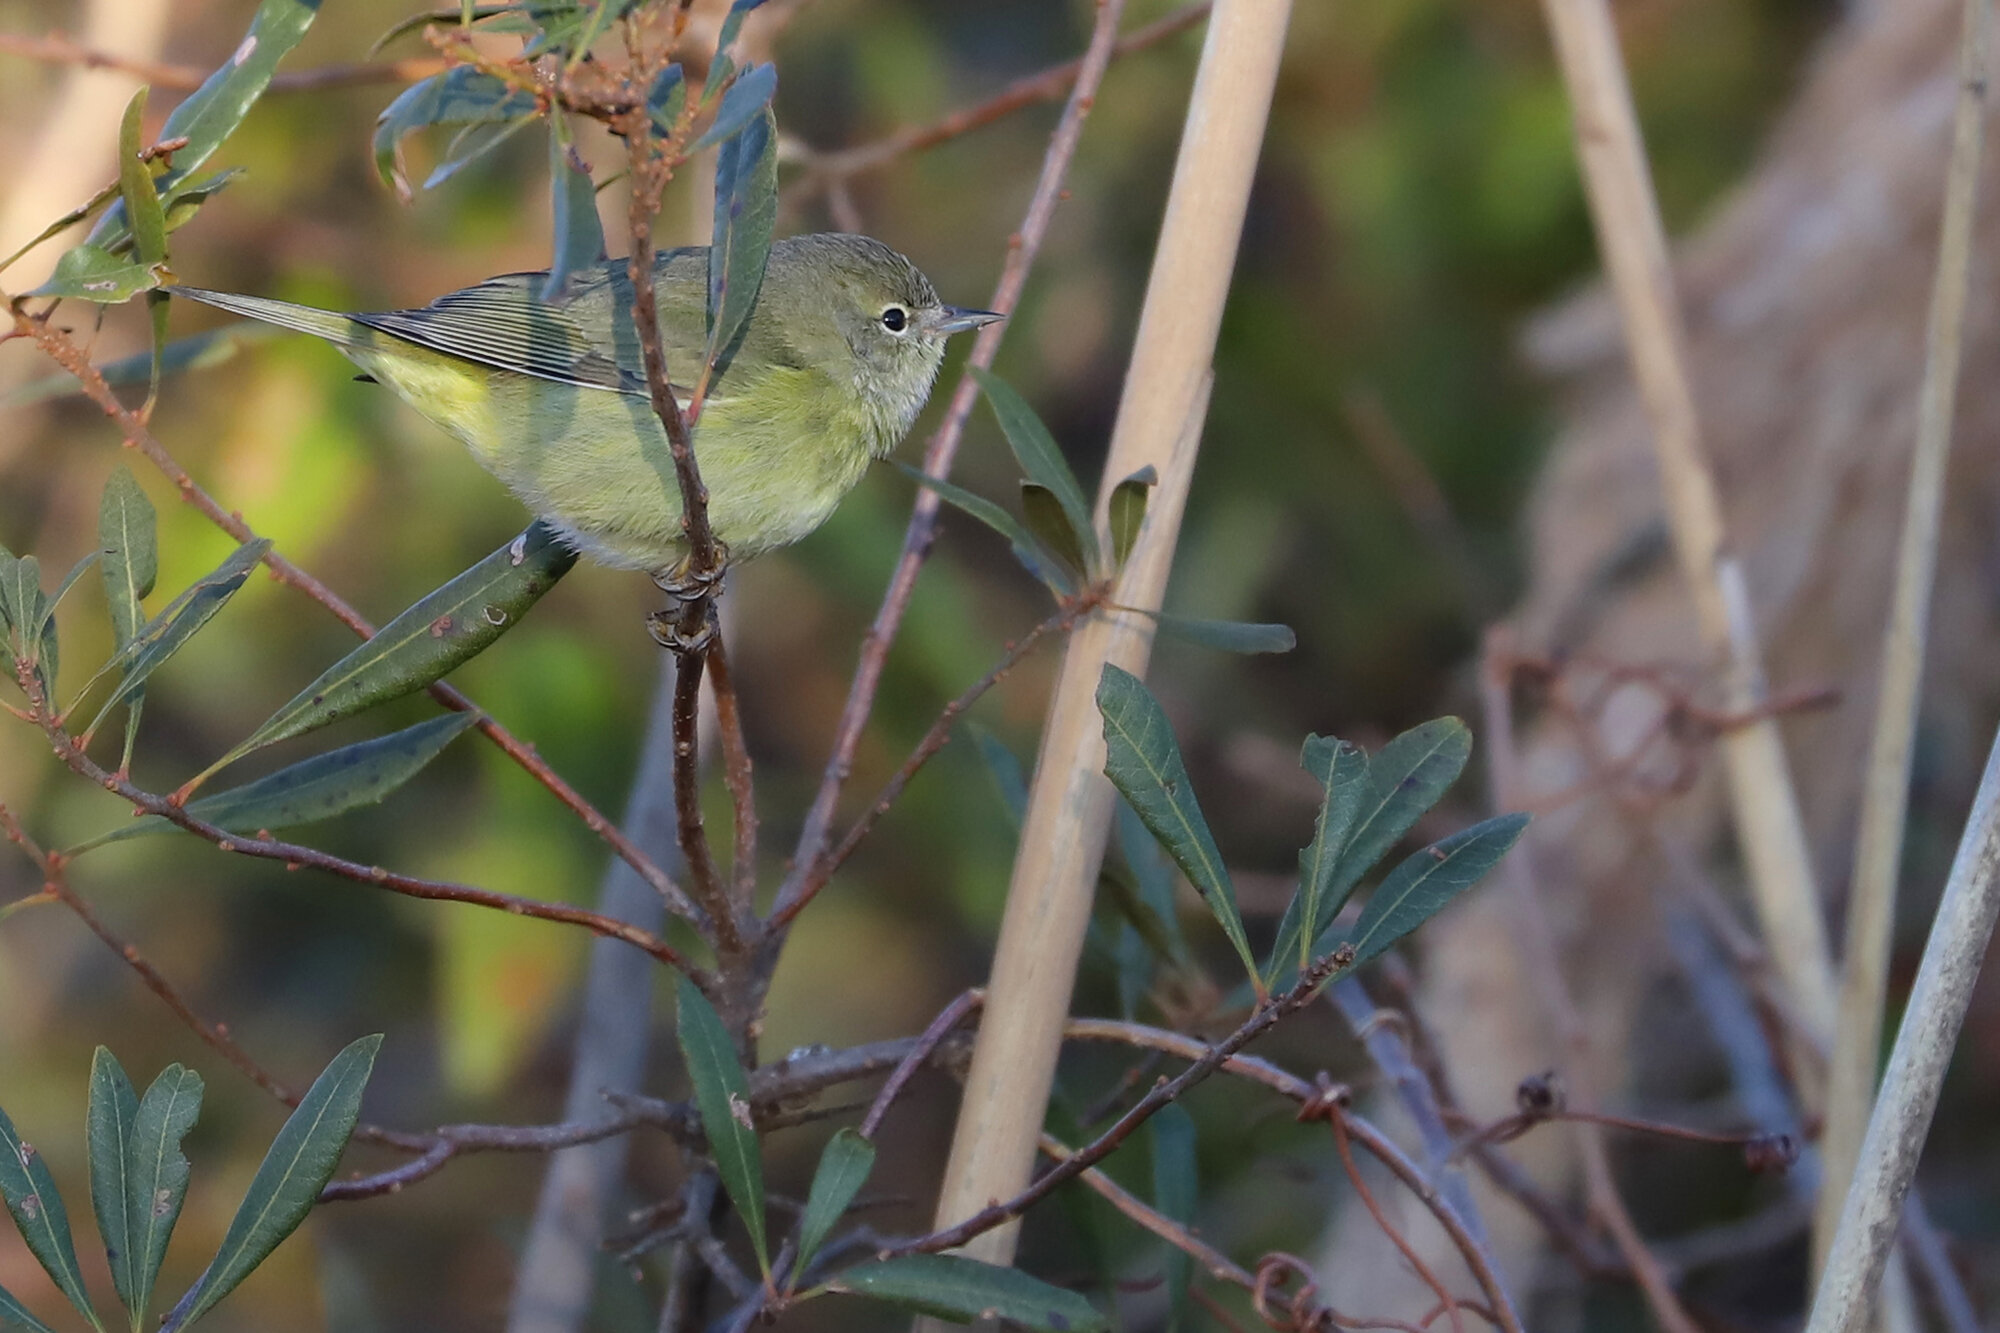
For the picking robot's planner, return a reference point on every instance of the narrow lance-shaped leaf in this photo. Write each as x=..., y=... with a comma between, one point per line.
x=442, y=630
x=1128, y=511
x=1047, y=521
x=1175, y=1190
x=723, y=1096
x=164, y=634
x=38, y=1212
x=13, y=1312
x=159, y=1176
x=313, y=789
x=1406, y=777
x=963, y=1290
x=843, y=1169
x=471, y=143
x=114, y=1107
x=1342, y=773
x=1028, y=549
x=287, y=1184
x=1427, y=881
x=746, y=211
x=1143, y=760
x=197, y=353
x=461, y=95
x=1036, y=451
x=1230, y=636
x=135, y=186
x=212, y=112
x=184, y=200
x=128, y=534
x=1010, y=781
x=579, y=234
x=744, y=101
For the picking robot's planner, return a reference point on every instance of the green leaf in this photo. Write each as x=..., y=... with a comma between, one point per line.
x=13, y=1312
x=579, y=234
x=666, y=99
x=1128, y=510
x=723, y=1096
x=1342, y=772
x=159, y=1177
x=424, y=643
x=732, y=24
x=1047, y=521
x=38, y=1212
x=843, y=1169
x=746, y=211
x=196, y=353
x=1143, y=761
x=1036, y=451
x=164, y=634
x=744, y=102
x=461, y=95
x=1406, y=777
x=1176, y=1188
x=1027, y=548
x=313, y=789
x=287, y=1184
x=1010, y=782
x=594, y=26
x=108, y=1127
x=455, y=15
x=128, y=534
x=1231, y=636
x=135, y=184
x=962, y=1290
x=1427, y=881
x=212, y=112
x=91, y=273
x=471, y=143
x=1148, y=865
x=183, y=201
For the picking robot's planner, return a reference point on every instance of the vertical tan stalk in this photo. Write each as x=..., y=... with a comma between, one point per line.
x=1634, y=248
x=1878, y=852
x=1070, y=806
x=1958, y=941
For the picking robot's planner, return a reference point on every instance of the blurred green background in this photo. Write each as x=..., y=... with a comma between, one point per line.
x=1417, y=198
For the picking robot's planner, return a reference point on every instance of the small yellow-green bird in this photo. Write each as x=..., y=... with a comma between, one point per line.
x=834, y=363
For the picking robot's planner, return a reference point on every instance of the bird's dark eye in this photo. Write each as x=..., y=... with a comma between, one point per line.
x=895, y=319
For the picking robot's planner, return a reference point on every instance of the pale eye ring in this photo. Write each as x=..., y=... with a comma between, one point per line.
x=896, y=319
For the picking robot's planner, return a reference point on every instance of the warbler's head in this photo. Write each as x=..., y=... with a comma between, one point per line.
x=865, y=316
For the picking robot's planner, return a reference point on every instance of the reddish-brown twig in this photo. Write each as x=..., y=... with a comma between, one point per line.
x=940, y=1027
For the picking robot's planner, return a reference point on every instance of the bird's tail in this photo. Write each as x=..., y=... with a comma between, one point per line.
x=335, y=328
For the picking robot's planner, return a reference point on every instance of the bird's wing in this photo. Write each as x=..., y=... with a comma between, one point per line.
x=503, y=323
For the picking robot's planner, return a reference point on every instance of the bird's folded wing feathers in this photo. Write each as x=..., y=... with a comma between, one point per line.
x=503, y=323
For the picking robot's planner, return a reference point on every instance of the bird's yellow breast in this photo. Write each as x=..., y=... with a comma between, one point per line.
x=776, y=451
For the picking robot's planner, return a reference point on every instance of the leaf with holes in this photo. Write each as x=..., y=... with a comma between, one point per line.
x=159, y=1175
x=38, y=1212
x=440, y=632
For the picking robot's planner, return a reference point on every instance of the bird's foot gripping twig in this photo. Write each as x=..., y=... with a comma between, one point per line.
x=671, y=631
x=686, y=582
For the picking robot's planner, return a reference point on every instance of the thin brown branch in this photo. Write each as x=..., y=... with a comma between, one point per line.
x=61, y=348
x=939, y=454
x=1218, y=1265
x=294, y=855
x=831, y=171
x=920, y=1054
x=60, y=49
x=1336, y=1116
x=822, y=870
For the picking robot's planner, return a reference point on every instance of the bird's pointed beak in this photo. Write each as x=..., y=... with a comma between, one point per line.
x=955, y=319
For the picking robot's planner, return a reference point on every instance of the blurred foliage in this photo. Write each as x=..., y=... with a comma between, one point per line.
x=1417, y=198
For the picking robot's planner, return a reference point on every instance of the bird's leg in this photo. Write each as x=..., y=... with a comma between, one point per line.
x=685, y=583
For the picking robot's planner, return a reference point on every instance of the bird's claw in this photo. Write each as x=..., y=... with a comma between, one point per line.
x=685, y=583
x=665, y=627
